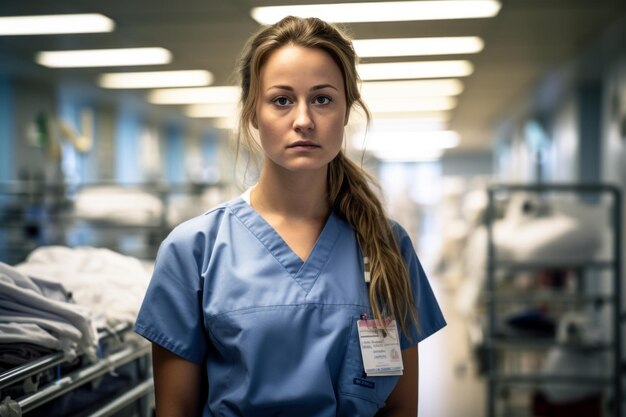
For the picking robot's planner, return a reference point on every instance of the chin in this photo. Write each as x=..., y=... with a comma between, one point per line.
x=306, y=166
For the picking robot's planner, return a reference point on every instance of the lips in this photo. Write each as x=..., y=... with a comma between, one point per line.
x=304, y=144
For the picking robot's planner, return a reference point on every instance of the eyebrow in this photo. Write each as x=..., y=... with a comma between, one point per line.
x=314, y=88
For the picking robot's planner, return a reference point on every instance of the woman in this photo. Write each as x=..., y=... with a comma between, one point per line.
x=255, y=308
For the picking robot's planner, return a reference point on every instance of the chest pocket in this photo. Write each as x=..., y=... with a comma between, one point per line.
x=360, y=395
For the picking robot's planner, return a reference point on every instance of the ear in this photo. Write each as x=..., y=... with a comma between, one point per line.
x=347, y=118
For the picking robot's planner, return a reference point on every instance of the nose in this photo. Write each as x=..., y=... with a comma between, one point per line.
x=303, y=120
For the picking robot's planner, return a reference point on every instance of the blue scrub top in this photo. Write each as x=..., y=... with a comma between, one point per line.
x=278, y=335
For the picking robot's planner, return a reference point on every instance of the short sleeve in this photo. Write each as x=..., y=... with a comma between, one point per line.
x=171, y=313
x=428, y=312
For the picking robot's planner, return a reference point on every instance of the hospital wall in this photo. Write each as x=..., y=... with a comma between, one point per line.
x=580, y=112
x=131, y=142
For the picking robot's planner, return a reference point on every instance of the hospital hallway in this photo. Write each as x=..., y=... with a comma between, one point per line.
x=492, y=131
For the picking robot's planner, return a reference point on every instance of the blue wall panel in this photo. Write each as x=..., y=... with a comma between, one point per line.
x=174, y=154
x=7, y=156
x=127, y=135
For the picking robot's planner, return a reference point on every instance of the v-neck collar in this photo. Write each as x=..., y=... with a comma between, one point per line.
x=305, y=273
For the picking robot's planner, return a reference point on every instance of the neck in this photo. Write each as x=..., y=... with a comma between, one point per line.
x=300, y=194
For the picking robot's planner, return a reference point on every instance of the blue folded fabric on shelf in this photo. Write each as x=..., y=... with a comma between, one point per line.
x=533, y=323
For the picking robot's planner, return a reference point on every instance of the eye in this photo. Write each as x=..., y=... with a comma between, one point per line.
x=322, y=100
x=281, y=101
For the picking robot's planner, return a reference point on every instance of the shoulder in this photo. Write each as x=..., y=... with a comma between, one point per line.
x=401, y=235
x=199, y=231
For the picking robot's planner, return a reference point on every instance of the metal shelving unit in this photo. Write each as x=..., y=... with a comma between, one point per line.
x=501, y=382
x=39, y=395
x=34, y=214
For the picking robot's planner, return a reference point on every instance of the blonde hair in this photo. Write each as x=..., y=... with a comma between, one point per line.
x=349, y=192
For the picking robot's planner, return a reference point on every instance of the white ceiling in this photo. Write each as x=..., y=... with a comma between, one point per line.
x=525, y=41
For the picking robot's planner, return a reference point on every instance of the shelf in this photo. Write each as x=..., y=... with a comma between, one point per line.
x=501, y=348
x=546, y=297
x=541, y=344
x=594, y=188
x=81, y=224
x=32, y=368
x=141, y=390
x=44, y=363
x=516, y=266
x=80, y=377
x=536, y=379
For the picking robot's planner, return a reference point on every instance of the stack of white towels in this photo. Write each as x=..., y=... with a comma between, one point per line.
x=57, y=299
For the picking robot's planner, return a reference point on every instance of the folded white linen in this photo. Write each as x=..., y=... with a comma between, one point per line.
x=12, y=275
x=111, y=284
x=11, y=333
x=57, y=328
x=68, y=335
x=30, y=302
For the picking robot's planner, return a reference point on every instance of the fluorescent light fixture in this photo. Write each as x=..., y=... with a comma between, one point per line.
x=392, y=11
x=443, y=116
x=410, y=88
x=408, y=145
x=392, y=104
x=155, y=79
x=418, y=69
x=411, y=140
x=104, y=57
x=229, y=123
x=435, y=118
x=407, y=124
x=418, y=46
x=213, y=110
x=55, y=24
x=219, y=94
x=405, y=155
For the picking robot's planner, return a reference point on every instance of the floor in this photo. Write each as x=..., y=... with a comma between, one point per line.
x=449, y=384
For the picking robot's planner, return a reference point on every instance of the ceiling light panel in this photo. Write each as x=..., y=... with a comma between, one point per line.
x=410, y=140
x=155, y=79
x=411, y=88
x=439, y=116
x=406, y=146
x=411, y=70
x=219, y=94
x=382, y=124
x=393, y=11
x=393, y=105
x=213, y=110
x=225, y=123
x=418, y=46
x=55, y=24
x=408, y=155
x=104, y=57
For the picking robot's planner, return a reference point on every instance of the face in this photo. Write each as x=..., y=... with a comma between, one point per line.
x=301, y=111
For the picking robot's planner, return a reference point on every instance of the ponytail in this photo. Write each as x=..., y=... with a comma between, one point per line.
x=351, y=197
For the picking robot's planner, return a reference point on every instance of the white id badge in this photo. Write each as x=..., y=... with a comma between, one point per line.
x=382, y=355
